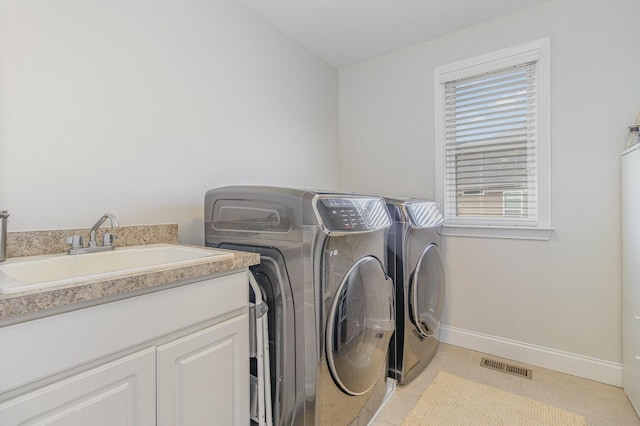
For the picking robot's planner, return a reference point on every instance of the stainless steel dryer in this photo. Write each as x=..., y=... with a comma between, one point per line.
x=415, y=265
x=331, y=312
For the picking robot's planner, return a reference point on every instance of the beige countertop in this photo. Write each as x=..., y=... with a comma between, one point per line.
x=34, y=304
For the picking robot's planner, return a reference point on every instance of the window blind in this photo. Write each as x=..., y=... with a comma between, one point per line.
x=490, y=146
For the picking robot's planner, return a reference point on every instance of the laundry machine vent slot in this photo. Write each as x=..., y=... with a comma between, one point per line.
x=507, y=368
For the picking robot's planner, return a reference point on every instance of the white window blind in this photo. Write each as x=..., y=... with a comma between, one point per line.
x=493, y=143
x=490, y=134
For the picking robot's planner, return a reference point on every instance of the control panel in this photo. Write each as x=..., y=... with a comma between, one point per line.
x=352, y=214
x=425, y=214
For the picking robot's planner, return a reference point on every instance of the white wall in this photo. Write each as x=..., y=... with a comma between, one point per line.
x=564, y=294
x=138, y=107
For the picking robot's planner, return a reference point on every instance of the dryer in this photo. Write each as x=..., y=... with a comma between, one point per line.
x=415, y=265
x=331, y=308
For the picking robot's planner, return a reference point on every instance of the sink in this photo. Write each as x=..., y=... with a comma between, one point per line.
x=41, y=272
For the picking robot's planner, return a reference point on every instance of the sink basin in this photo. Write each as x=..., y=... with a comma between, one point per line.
x=40, y=272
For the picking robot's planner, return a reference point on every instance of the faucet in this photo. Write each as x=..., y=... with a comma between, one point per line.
x=94, y=228
x=3, y=234
x=107, y=238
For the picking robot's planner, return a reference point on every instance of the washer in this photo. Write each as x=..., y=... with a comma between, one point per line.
x=331, y=308
x=415, y=265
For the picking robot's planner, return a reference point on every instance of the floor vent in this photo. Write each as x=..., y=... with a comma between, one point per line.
x=507, y=368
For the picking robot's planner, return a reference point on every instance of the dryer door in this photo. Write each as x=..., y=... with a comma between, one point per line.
x=426, y=295
x=361, y=322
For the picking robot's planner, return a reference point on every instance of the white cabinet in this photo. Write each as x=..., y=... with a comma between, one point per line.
x=121, y=392
x=631, y=354
x=173, y=357
x=201, y=379
x=631, y=275
x=631, y=229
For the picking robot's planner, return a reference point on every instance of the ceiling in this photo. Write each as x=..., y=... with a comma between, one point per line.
x=343, y=32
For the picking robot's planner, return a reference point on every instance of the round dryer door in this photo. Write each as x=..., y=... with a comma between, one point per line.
x=361, y=322
x=427, y=292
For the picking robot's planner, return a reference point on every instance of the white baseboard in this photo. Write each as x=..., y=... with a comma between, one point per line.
x=565, y=362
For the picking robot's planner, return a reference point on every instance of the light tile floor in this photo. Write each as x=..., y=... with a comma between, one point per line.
x=602, y=405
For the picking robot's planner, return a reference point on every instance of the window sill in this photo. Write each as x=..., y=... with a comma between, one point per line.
x=507, y=232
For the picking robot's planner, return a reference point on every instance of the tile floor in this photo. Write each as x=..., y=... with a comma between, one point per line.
x=601, y=404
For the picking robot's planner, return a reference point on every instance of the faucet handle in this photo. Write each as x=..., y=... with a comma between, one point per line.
x=75, y=241
x=107, y=239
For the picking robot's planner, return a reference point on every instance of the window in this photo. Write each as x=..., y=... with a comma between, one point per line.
x=514, y=204
x=493, y=144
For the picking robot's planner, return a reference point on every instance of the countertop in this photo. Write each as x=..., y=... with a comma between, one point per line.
x=29, y=305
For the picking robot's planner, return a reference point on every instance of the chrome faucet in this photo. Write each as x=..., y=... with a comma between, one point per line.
x=3, y=234
x=94, y=228
x=107, y=239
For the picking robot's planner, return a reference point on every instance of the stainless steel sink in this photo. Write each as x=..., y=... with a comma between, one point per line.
x=41, y=272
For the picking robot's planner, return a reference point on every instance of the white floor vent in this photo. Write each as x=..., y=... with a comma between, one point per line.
x=507, y=368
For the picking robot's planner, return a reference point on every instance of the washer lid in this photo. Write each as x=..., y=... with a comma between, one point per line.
x=426, y=295
x=230, y=214
x=360, y=325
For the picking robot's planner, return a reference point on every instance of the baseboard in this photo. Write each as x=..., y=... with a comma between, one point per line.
x=565, y=362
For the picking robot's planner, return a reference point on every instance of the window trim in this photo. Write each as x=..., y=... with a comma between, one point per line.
x=538, y=51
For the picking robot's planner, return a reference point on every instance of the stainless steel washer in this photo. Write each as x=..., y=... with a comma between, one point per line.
x=415, y=265
x=331, y=312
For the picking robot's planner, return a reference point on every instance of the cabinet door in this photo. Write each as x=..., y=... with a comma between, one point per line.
x=203, y=378
x=631, y=354
x=631, y=229
x=121, y=392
